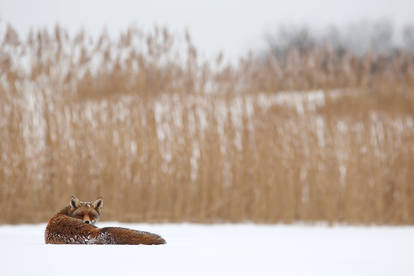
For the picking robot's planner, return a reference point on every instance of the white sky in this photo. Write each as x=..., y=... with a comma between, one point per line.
x=233, y=26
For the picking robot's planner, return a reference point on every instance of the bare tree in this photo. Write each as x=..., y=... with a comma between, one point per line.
x=408, y=37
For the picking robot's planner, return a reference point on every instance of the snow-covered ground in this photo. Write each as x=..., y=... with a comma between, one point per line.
x=228, y=249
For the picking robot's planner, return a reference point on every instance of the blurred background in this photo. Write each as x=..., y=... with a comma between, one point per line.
x=218, y=111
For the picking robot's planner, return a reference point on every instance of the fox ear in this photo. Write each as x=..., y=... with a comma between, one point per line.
x=98, y=204
x=74, y=202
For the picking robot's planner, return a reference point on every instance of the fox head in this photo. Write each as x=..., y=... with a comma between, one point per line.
x=88, y=212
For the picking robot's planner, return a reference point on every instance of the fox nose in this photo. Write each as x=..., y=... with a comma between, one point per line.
x=87, y=221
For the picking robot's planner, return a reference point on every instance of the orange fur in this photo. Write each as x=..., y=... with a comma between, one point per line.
x=74, y=225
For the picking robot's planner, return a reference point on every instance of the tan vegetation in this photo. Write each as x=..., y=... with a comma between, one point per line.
x=165, y=136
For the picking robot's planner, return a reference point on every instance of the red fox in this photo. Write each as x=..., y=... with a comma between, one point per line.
x=74, y=224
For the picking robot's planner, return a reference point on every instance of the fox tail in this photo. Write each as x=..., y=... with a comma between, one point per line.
x=118, y=235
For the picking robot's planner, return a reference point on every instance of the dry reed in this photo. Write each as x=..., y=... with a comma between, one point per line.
x=163, y=136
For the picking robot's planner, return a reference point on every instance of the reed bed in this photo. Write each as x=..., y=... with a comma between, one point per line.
x=163, y=135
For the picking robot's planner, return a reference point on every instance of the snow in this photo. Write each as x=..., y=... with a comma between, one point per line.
x=226, y=249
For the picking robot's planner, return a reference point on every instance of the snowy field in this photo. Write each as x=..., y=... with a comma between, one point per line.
x=228, y=249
